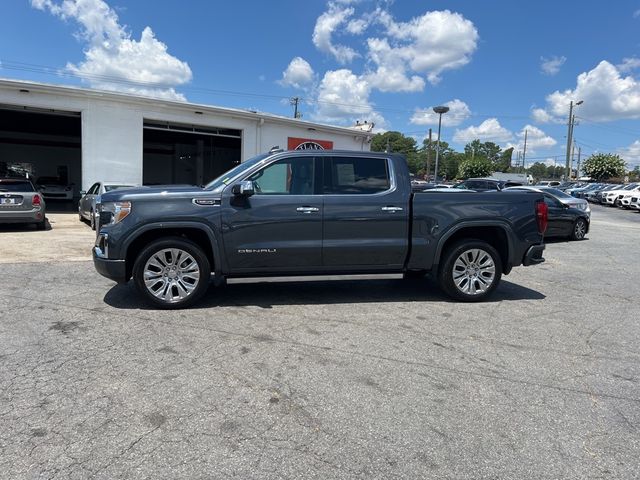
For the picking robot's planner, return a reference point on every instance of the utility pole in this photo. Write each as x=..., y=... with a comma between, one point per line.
x=429, y=157
x=524, y=153
x=578, y=170
x=294, y=101
x=573, y=157
x=572, y=120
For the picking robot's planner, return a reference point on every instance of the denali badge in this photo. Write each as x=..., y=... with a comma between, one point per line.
x=257, y=250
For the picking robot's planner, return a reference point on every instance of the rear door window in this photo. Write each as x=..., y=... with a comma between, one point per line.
x=359, y=175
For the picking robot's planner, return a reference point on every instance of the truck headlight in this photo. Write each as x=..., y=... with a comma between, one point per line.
x=117, y=211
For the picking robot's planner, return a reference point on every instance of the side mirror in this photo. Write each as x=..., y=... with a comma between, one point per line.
x=82, y=192
x=244, y=188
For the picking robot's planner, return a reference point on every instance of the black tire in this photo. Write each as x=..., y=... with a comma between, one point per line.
x=92, y=220
x=42, y=225
x=579, y=229
x=481, y=281
x=172, y=286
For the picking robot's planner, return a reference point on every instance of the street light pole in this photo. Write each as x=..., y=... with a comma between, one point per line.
x=570, y=138
x=439, y=110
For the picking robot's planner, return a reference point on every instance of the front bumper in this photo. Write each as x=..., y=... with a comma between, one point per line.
x=533, y=255
x=112, y=269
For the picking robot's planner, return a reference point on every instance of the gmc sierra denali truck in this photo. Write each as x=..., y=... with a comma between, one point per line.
x=316, y=212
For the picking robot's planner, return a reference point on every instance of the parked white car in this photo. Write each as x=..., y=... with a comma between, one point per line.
x=613, y=197
x=87, y=204
x=54, y=188
x=634, y=204
x=625, y=200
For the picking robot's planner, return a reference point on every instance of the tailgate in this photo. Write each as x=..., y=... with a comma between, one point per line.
x=16, y=202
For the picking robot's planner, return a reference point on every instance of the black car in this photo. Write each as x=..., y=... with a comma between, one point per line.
x=569, y=217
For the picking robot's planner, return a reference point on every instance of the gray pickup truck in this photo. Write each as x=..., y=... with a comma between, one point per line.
x=289, y=213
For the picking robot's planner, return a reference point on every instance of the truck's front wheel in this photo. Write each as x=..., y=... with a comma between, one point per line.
x=172, y=273
x=471, y=270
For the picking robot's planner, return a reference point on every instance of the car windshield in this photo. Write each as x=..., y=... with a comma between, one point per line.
x=631, y=186
x=108, y=188
x=555, y=192
x=226, y=177
x=16, y=186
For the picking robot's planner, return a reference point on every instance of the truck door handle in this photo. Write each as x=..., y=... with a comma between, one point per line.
x=308, y=209
x=391, y=209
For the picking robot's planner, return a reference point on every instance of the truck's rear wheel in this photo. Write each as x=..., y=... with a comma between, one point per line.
x=172, y=273
x=471, y=270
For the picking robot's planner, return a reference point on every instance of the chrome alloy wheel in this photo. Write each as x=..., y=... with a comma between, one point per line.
x=580, y=230
x=171, y=275
x=474, y=272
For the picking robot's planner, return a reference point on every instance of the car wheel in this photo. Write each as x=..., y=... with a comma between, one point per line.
x=579, y=229
x=92, y=220
x=172, y=273
x=471, y=270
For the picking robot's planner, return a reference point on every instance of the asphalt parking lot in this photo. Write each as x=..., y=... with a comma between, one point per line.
x=325, y=378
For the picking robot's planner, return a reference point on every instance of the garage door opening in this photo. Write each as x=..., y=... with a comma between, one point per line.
x=187, y=154
x=44, y=145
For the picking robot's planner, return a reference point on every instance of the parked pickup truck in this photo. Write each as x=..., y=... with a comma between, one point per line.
x=316, y=212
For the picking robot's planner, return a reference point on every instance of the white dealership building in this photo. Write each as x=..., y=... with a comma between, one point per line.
x=81, y=136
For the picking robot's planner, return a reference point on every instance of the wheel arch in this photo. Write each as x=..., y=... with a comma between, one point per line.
x=202, y=235
x=496, y=234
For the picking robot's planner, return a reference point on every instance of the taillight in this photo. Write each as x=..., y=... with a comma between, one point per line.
x=37, y=201
x=542, y=216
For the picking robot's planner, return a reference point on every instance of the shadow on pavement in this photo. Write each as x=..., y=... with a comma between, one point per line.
x=266, y=294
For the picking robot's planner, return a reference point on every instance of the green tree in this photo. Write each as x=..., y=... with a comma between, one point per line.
x=427, y=158
x=501, y=160
x=475, y=167
x=488, y=150
x=398, y=143
x=503, y=163
x=634, y=175
x=538, y=170
x=554, y=171
x=602, y=166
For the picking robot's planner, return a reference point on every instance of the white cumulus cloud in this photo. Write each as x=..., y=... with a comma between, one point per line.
x=536, y=140
x=607, y=96
x=488, y=131
x=551, y=66
x=326, y=26
x=431, y=43
x=458, y=112
x=298, y=74
x=390, y=75
x=631, y=154
x=629, y=64
x=343, y=97
x=112, y=56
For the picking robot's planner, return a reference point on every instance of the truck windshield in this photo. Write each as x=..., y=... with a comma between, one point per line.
x=228, y=176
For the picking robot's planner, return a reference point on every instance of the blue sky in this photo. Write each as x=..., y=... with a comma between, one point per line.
x=502, y=66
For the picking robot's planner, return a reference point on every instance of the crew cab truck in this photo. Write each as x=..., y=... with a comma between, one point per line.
x=290, y=213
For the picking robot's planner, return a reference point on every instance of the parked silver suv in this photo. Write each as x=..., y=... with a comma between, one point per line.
x=20, y=202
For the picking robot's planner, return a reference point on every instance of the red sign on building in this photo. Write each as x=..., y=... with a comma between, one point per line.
x=308, y=144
